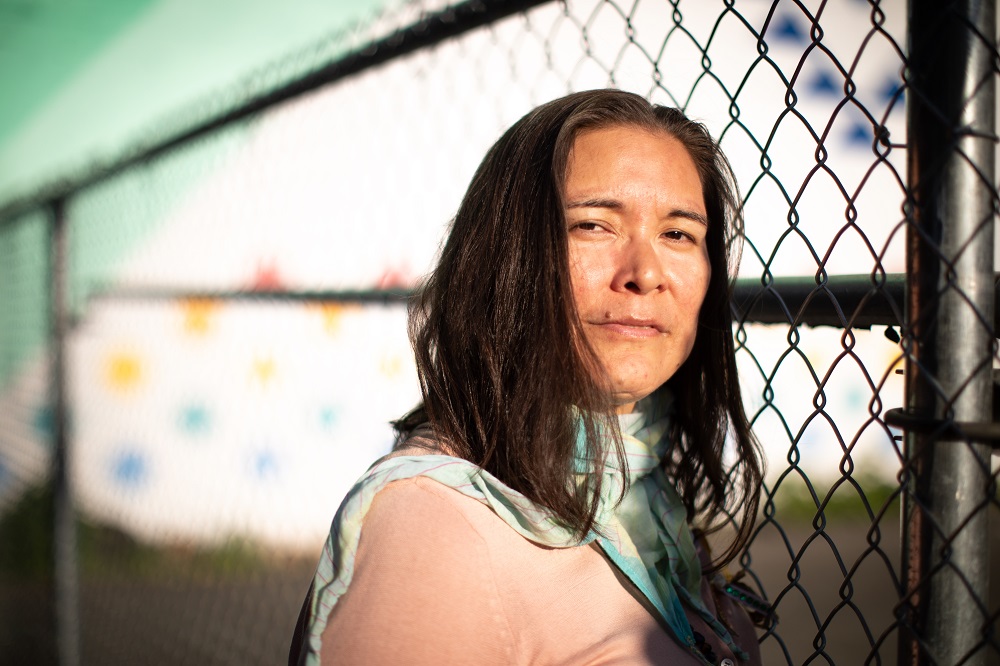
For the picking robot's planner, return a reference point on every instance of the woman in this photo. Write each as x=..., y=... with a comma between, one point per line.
x=576, y=361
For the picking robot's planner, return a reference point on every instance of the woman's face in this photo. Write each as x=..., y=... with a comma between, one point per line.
x=638, y=258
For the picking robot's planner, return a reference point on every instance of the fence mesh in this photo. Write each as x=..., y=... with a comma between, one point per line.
x=25, y=435
x=227, y=383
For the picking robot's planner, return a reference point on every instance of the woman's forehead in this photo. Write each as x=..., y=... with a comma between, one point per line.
x=630, y=162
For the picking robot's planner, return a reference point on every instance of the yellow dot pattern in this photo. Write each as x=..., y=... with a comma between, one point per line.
x=263, y=370
x=198, y=313
x=123, y=371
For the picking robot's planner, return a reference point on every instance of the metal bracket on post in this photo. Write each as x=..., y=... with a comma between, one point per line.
x=944, y=429
x=987, y=432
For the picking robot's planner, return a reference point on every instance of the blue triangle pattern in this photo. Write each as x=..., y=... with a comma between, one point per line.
x=860, y=135
x=786, y=29
x=823, y=84
x=889, y=88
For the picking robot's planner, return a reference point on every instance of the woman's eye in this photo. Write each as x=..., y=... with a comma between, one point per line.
x=676, y=235
x=587, y=226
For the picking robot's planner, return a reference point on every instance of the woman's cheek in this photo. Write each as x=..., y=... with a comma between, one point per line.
x=587, y=272
x=691, y=273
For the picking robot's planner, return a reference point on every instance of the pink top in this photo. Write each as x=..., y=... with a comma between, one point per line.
x=441, y=579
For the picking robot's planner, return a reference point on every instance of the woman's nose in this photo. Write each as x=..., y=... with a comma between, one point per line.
x=640, y=269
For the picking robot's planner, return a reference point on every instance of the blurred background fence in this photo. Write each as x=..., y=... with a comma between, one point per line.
x=202, y=340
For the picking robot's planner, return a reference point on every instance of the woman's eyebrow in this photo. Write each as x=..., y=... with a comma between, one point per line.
x=694, y=216
x=615, y=204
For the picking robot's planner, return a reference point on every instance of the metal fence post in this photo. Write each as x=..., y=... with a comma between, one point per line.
x=64, y=516
x=950, y=78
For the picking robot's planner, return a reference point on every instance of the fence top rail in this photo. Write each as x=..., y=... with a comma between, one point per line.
x=428, y=30
x=841, y=301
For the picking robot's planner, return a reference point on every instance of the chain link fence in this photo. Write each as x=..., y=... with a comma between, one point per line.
x=202, y=341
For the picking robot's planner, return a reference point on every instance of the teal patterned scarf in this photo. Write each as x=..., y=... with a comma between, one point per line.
x=646, y=536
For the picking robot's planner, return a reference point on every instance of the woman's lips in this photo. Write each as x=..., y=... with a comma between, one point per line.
x=631, y=329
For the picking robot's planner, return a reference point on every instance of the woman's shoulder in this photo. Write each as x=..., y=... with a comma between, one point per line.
x=424, y=495
x=423, y=576
x=422, y=508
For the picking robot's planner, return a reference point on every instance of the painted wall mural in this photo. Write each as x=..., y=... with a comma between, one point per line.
x=204, y=420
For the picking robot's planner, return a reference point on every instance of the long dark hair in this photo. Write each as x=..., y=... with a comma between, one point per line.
x=505, y=371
